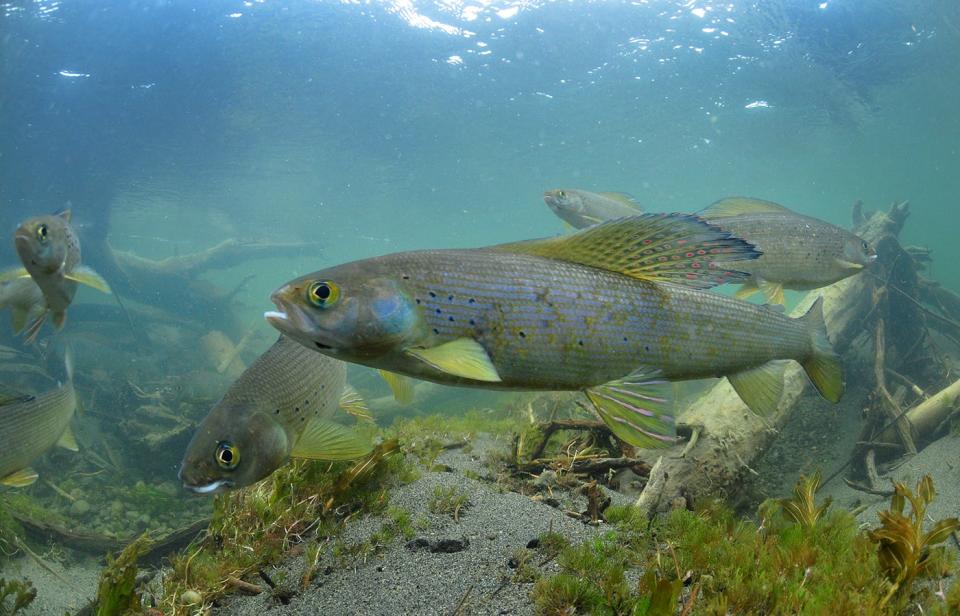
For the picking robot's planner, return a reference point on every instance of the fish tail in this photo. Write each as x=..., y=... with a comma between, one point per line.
x=823, y=364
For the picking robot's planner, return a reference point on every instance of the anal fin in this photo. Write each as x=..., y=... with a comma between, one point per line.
x=637, y=409
x=760, y=388
x=20, y=479
x=326, y=440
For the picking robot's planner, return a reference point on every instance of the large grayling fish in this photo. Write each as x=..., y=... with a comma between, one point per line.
x=279, y=408
x=603, y=310
x=582, y=208
x=799, y=252
x=30, y=425
x=50, y=252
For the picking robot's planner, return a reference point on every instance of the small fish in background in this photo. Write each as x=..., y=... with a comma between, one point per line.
x=798, y=252
x=581, y=208
x=613, y=310
x=279, y=408
x=50, y=252
x=24, y=299
x=30, y=425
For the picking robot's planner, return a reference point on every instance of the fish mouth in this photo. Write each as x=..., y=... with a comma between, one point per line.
x=210, y=488
x=292, y=321
x=551, y=202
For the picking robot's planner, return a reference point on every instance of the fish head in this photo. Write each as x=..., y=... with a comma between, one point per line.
x=233, y=448
x=41, y=243
x=857, y=254
x=346, y=312
x=569, y=205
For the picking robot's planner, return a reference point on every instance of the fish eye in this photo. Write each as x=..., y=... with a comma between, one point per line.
x=323, y=294
x=227, y=455
x=42, y=233
x=865, y=246
x=561, y=194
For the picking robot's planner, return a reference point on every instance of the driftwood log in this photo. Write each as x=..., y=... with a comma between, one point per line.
x=726, y=437
x=174, y=285
x=100, y=545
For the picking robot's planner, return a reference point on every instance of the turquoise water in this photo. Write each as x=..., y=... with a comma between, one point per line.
x=357, y=129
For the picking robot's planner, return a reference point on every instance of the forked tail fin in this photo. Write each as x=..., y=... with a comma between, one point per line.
x=823, y=365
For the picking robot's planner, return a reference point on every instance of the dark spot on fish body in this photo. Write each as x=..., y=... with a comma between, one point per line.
x=418, y=300
x=438, y=311
x=405, y=276
x=450, y=319
x=522, y=334
x=432, y=294
x=450, y=298
x=436, y=331
x=471, y=301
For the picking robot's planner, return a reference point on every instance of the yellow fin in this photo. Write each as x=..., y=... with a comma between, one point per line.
x=760, y=388
x=772, y=291
x=848, y=264
x=461, y=357
x=735, y=206
x=20, y=479
x=352, y=403
x=85, y=275
x=401, y=386
x=747, y=289
x=68, y=441
x=13, y=274
x=34, y=329
x=678, y=248
x=326, y=440
x=18, y=318
x=624, y=198
x=637, y=409
x=823, y=367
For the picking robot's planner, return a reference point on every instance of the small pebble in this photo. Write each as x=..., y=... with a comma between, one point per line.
x=80, y=508
x=190, y=597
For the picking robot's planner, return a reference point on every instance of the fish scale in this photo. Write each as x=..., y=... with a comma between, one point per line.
x=30, y=427
x=291, y=382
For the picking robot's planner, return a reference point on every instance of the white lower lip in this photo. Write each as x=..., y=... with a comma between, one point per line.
x=210, y=487
x=274, y=315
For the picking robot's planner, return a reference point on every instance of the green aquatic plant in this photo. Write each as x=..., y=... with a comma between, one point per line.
x=802, y=508
x=15, y=595
x=448, y=499
x=906, y=552
x=116, y=594
x=302, y=501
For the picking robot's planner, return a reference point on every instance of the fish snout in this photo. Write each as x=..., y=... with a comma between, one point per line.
x=191, y=484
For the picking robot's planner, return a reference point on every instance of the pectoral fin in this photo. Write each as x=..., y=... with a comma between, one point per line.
x=13, y=274
x=68, y=441
x=848, y=265
x=401, y=386
x=85, y=275
x=352, y=403
x=18, y=319
x=20, y=479
x=637, y=409
x=464, y=357
x=760, y=388
x=326, y=440
x=34, y=329
x=772, y=291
